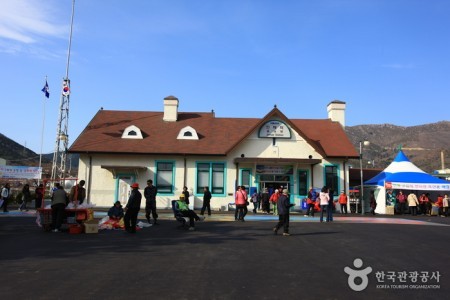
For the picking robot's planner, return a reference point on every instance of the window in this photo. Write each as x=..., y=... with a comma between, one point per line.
x=187, y=133
x=246, y=179
x=266, y=177
x=211, y=175
x=331, y=178
x=132, y=132
x=302, y=182
x=164, y=177
x=218, y=177
x=202, y=176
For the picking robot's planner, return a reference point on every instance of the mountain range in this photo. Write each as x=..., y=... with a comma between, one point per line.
x=19, y=155
x=427, y=146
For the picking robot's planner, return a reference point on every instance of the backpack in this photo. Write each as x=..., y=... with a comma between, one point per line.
x=255, y=198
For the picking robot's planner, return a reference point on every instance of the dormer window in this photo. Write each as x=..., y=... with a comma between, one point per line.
x=187, y=133
x=132, y=132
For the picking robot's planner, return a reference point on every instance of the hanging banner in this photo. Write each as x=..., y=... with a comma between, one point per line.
x=20, y=172
x=275, y=170
x=417, y=186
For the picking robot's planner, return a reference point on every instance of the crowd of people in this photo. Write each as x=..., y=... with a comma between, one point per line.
x=133, y=205
x=421, y=205
x=274, y=201
x=278, y=199
x=264, y=201
x=325, y=202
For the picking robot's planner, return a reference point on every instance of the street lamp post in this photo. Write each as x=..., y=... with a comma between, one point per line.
x=361, y=193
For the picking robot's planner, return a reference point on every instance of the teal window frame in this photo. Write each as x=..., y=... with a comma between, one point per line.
x=162, y=189
x=213, y=173
x=306, y=185
x=336, y=178
x=241, y=177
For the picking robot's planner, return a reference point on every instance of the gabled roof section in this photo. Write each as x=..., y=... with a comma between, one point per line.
x=275, y=113
x=216, y=136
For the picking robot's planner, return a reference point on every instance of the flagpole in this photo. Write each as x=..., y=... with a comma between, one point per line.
x=42, y=132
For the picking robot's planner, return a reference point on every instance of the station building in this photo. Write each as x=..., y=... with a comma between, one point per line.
x=198, y=149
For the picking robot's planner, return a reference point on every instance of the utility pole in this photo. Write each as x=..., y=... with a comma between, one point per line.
x=442, y=160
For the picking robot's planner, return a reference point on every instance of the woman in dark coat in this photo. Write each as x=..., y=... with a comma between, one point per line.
x=265, y=201
x=206, y=201
x=116, y=212
x=26, y=196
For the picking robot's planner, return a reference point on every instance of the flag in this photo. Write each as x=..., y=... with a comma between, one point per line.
x=46, y=90
x=66, y=89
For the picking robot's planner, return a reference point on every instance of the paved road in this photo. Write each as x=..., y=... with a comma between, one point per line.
x=228, y=260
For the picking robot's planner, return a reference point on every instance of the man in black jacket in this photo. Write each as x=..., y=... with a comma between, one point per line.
x=283, y=205
x=150, y=192
x=206, y=201
x=132, y=209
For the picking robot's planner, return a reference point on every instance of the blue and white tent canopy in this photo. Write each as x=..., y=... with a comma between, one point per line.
x=403, y=174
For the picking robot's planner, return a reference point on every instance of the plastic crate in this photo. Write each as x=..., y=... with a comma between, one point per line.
x=81, y=215
x=46, y=217
x=75, y=229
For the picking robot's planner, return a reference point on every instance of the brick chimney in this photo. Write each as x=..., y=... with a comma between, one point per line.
x=336, y=111
x=170, y=109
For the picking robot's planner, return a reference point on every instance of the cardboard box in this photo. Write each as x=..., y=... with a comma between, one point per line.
x=390, y=210
x=91, y=226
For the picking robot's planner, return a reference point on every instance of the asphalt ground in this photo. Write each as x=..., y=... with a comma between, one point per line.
x=224, y=259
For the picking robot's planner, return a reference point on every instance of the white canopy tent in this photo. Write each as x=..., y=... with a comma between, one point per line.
x=403, y=174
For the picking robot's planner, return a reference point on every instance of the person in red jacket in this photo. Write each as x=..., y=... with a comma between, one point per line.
x=240, y=199
x=39, y=195
x=440, y=205
x=274, y=199
x=425, y=208
x=401, y=200
x=343, y=202
x=311, y=202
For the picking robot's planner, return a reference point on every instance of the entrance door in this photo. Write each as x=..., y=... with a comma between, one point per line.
x=124, y=189
x=271, y=186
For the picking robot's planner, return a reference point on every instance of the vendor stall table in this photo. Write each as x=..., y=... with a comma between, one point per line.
x=73, y=216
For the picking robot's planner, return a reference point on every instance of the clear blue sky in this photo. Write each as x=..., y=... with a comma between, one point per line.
x=387, y=59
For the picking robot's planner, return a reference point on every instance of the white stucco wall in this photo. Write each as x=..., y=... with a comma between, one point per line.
x=254, y=146
x=102, y=186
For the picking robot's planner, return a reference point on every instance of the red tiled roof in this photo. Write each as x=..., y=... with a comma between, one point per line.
x=329, y=136
x=217, y=136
